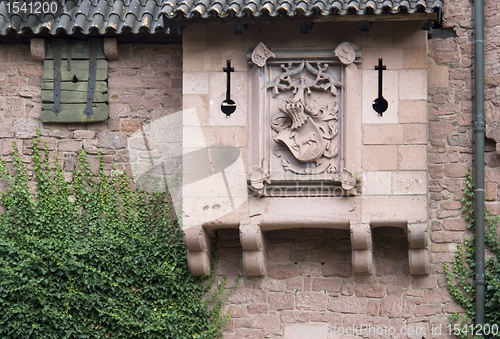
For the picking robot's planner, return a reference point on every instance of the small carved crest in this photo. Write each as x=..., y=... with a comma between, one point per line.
x=260, y=55
x=345, y=53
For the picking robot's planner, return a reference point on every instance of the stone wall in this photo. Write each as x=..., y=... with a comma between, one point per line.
x=144, y=84
x=310, y=282
x=310, y=279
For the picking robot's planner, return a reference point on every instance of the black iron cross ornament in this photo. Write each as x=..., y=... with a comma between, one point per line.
x=380, y=104
x=228, y=106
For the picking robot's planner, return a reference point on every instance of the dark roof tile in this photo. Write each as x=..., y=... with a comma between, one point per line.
x=153, y=15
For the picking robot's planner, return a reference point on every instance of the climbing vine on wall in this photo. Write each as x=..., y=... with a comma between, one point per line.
x=460, y=276
x=95, y=259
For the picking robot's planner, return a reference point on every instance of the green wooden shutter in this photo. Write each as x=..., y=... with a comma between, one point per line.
x=74, y=82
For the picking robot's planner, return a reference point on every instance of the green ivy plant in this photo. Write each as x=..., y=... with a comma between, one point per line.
x=460, y=275
x=94, y=258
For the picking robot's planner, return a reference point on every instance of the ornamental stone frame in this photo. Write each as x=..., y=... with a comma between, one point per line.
x=298, y=146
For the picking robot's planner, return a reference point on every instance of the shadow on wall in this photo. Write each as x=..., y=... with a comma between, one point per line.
x=296, y=254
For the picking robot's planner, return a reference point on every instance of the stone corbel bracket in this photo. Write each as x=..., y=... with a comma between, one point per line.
x=362, y=254
x=418, y=253
x=198, y=244
x=37, y=47
x=252, y=241
x=111, y=49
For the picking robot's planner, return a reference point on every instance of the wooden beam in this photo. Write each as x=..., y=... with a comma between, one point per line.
x=79, y=68
x=74, y=113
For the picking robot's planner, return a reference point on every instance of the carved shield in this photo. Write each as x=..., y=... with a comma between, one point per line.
x=305, y=143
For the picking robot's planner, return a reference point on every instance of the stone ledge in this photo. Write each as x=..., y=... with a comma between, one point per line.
x=198, y=243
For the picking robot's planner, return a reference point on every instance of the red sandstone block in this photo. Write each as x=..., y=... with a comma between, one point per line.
x=326, y=317
x=310, y=270
x=69, y=145
x=357, y=321
x=329, y=285
x=243, y=323
x=243, y=333
x=14, y=107
x=371, y=291
x=59, y=133
x=412, y=157
x=283, y=271
x=6, y=130
x=436, y=296
x=25, y=128
x=125, y=82
x=311, y=301
x=117, y=110
x=123, y=63
x=446, y=57
x=294, y=317
x=446, y=237
x=114, y=124
x=373, y=307
x=455, y=170
x=281, y=301
x=130, y=126
x=347, y=288
x=436, y=172
x=30, y=92
x=437, y=258
x=267, y=321
x=397, y=307
x=347, y=305
x=247, y=296
x=325, y=255
x=31, y=70
x=279, y=253
x=440, y=129
x=395, y=280
x=382, y=134
x=111, y=140
x=295, y=284
x=258, y=309
x=83, y=134
x=455, y=224
x=337, y=270
x=427, y=310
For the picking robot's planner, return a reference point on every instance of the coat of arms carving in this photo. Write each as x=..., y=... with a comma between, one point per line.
x=300, y=122
x=307, y=124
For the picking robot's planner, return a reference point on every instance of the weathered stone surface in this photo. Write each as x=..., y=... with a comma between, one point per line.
x=329, y=285
x=25, y=128
x=311, y=301
x=294, y=317
x=69, y=145
x=396, y=307
x=247, y=296
x=337, y=270
x=279, y=302
x=37, y=49
x=370, y=291
x=283, y=271
x=279, y=253
x=347, y=305
x=111, y=140
x=267, y=321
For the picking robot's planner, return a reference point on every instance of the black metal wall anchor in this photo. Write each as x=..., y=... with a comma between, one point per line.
x=92, y=77
x=228, y=106
x=57, y=78
x=380, y=104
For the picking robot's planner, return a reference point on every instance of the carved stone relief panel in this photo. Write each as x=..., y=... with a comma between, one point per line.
x=298, y=122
